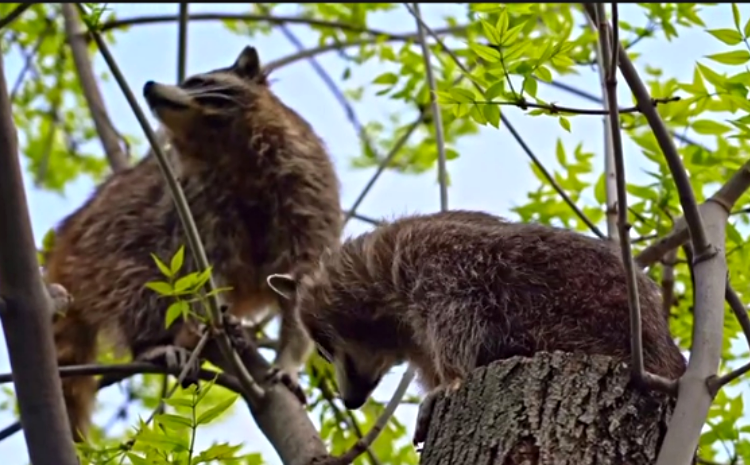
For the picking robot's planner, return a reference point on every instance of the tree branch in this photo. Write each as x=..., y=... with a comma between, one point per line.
x=593, y=98
x=252, y=390
x=311, y=52
x=182, y=42
x=362, y=445
x=375, y=33
x=437, y=118
x=607, y=38
x=13, y=15
x=110, y=138
x=554, y=109
x=25, y=311
x=710, y=270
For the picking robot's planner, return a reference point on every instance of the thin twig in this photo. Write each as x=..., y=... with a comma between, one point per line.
x=182, y=28
x=436, y=115
x=189, y=365
x=667, y=282
x=29, y=58
x=636, y=331
x=363, y=218
x=253, y=390
x=362, y=445
x=554, y=109
x=593, y=98
x=315, y=51
x=610, y=208
x=739, y=310
x=516, y=136
x=110, y=138
x=375, y=33
x=710, y=267
x=13, y=15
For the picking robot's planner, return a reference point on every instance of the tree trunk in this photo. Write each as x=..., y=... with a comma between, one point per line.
x=556, y=408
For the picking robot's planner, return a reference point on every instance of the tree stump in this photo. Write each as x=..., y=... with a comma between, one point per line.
x=555, y=408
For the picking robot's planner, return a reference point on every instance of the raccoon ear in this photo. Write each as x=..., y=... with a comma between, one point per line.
x=248, y=63
x=282, y=284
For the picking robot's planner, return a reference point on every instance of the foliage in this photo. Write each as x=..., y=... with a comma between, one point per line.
x=508, y=49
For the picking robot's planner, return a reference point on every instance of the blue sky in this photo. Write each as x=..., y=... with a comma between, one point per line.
x=492, y=173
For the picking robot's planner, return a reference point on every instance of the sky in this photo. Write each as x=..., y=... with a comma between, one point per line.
x=491, y=174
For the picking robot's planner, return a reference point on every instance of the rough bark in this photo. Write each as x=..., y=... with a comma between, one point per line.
x=554, y=408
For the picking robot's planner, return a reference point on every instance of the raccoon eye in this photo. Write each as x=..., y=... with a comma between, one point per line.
x=193, y=82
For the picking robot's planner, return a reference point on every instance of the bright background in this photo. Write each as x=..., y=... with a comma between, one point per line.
x=492, y=173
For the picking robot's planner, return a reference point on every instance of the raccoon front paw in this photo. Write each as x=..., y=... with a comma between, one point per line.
x=277, y=374
x=175, y=359
x=60, y=298
x=427, y=408
x=234, y=328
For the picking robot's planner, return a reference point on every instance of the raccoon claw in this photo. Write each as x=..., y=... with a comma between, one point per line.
x=427, y=408
x=278, y=375
x=175, y=359
x=234, y=328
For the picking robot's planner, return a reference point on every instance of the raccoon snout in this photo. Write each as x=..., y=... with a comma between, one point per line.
x=354, y=402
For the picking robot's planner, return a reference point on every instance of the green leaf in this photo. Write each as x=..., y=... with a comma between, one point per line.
x=502, y=23
x=485, y=53
x=492, y=113
x=178, y=402
x=736, y=16
x=137, y=460
x=728, y=36
x=215, y=411
x=162, y=267
x=176, y=310
x=746, y=30
x=736, y=57
x=490, y=32
x=543, y=73
x=175, y=422
x=386, y=79
x=530, y=86
x=162, y=441
x=160, y=287
x=444, y=97
x=706, y=126
x=600, y=190
x=177, y=260
x=565, y=123
x=494, y=90
x=733, y=235
x=462, y=95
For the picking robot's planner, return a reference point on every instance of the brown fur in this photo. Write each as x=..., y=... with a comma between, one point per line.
x=264, y=196
x=449, y=292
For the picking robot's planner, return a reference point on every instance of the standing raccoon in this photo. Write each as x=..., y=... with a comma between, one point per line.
x=264, y=196
x=449, y=292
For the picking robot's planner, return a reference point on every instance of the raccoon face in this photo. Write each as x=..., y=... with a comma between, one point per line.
x=358, y=369
x=207, y=101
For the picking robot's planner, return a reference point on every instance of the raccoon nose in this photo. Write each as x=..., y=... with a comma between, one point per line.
x=352, y=403
x=147, y=87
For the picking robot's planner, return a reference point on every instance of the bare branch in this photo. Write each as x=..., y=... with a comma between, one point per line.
x=331, y=84
x=25, y=311
x=252, y=390
x=554, y=109
x=362, y=445
x=13, y=15
x=593, y=98
x=710, y=270
x=182, y=42
x=288, y=60
x=110, y=138
x=386, y=161
x=518, y=138
x=739, y=310
x=609, y=61
x=436, y=115
x=364, y=218
x=140, y=20
x=29, y=57
x=667, y=282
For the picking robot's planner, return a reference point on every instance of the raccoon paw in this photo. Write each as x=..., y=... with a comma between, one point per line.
x=60, y=298
x=234, y=328
x=174, y=358
x=277, y=374
x=426, y=410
